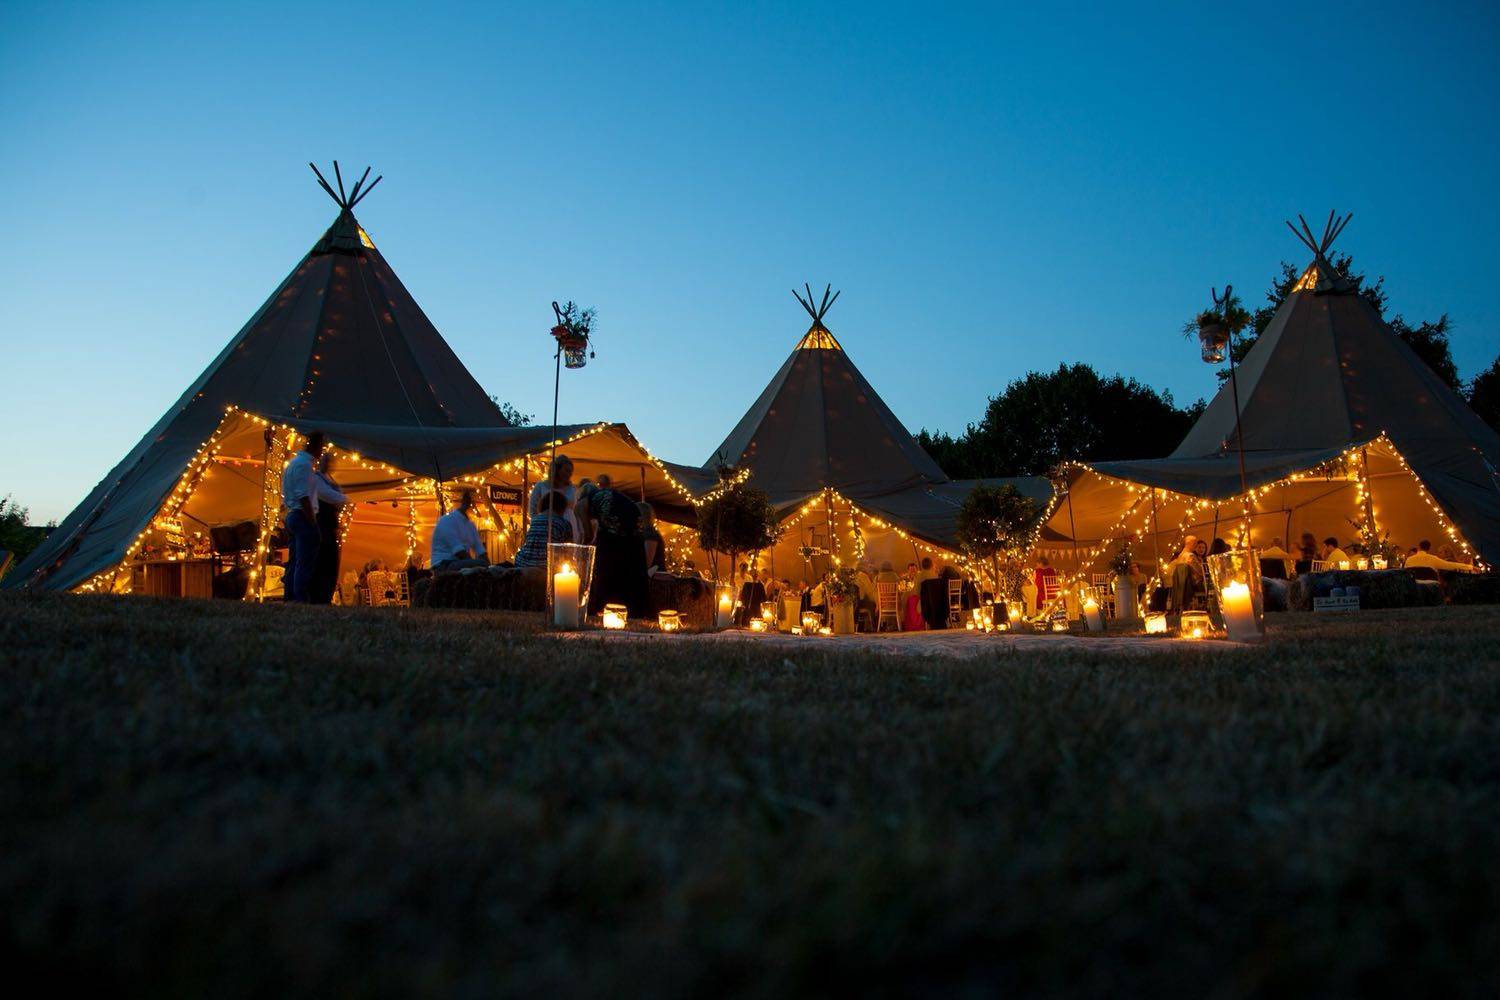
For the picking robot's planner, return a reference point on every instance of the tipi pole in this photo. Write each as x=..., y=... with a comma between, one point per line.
x=551, y=464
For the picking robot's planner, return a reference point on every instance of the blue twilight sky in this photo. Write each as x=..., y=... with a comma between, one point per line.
x=994, y=191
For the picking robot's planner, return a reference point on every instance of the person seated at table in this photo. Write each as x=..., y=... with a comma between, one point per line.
x=887, y=573
x=1424, y=558
x=864, y=579
x=455, y=541
x=1186, y=572
x=1307, y=551
x=1273, y=555
x=1044, y=578
x=548, y=524
x=1446, y=552
x=1332, y=554
x=927, y=572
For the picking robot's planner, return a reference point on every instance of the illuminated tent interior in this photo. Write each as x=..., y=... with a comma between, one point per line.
x=340, y=346
x=1335, y=410
x=847, y=480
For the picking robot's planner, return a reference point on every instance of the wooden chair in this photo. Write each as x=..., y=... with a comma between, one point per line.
x=1320, y=566
x=887, y=605
x=1104, y=594
x=955, y=603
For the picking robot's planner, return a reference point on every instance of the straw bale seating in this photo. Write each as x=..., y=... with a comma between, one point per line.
x=1377, y=589
x=508, y=588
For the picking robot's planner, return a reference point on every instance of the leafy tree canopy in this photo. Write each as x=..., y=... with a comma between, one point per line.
x=15, y=534
x=738, y=519
x=994, y=526
x=1072, y=413
x=1484, y=395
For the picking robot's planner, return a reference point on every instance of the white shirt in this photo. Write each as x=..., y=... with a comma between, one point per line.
x=454, y=537
x=1427, y=559
x=327, y=492
x=297, y=482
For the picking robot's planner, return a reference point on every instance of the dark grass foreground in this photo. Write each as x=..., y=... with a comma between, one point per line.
x=213, y=799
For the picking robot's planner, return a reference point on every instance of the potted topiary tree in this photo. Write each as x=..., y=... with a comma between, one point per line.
x=994, y=529
x=843, y=598
x=734, y=520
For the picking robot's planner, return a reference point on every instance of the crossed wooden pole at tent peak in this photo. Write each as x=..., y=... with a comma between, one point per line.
x=354, y=197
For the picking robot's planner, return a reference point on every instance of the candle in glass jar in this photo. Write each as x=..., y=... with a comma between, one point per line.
x=1239, y=612
x=565, y=597
x=725, y=616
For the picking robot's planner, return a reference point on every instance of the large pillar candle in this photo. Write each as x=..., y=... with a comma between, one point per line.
x=1239, y=613
x=565, y=597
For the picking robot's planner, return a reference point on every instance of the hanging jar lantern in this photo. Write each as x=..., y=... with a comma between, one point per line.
x=572, y=333
x=1213, y=337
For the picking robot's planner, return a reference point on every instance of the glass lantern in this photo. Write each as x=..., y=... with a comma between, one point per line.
x=1242, y=604
x=1213, y=338
x=571, y=573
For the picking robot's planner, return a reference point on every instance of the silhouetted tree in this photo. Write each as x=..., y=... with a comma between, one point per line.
x=1072, y=413
x=1484, y=395
x=994, y=525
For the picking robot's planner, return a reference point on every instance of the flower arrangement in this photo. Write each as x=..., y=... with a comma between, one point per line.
x=843, y=586
x=1120, y=564
x=573, y=331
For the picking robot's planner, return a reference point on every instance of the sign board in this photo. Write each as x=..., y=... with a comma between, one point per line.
x=505, y=496
x=1339, y=604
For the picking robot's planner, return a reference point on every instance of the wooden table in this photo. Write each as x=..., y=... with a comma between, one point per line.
x=173, y=578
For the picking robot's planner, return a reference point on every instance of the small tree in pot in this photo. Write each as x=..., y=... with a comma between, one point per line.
x=994, y=525
x=736, y=520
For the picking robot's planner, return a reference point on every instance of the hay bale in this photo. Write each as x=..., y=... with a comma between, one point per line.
x=1473, y=588
x=1377, y=588
x=1277, y=593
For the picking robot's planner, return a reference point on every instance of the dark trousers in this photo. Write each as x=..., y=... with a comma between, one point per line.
x=302, y=558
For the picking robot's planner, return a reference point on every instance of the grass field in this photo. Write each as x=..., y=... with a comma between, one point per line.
x=231, y=800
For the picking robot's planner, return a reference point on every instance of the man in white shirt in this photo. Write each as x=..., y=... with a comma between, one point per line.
x=1423, y=558
x=455, y=540
x=299, y=496
x=1333, y=555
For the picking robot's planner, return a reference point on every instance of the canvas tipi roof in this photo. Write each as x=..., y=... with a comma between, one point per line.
x=340, y=339
x=820, y=425
x=1327, y=371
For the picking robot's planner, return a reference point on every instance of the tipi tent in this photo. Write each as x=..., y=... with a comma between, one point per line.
x=1346, y=433
x=340, y=346
x=846, y=477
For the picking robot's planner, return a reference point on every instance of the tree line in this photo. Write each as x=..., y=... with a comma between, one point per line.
x=1076, y=413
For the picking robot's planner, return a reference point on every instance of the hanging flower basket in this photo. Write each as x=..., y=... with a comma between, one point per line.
x=572, y=333
x=574, y=346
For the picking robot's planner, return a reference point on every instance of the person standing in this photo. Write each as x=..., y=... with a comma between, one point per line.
x=299, y=495
x=614, y=524
x=331, y=503
x=455, y=541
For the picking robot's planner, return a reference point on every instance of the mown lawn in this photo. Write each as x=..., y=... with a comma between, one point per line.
x=211, y=799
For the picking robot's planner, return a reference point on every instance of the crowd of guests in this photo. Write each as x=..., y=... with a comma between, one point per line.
x=628, y=548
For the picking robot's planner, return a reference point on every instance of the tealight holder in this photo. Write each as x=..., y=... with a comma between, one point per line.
x=613, y=616
x=811, y=622
x=768, y=614
x=1195, y=625
x=669, y=621
x=1156, y=624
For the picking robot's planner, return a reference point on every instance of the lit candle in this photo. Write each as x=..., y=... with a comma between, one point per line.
x=757, y=624
x=1239, y=612
x=1343, y=564
x=725, y=616
x=1156, y=624
x=565, y=597
x=613, y=616
x=1091, y=616
x=669, y=621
